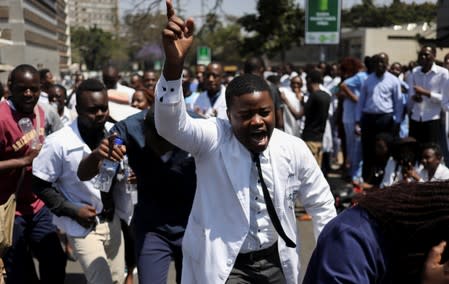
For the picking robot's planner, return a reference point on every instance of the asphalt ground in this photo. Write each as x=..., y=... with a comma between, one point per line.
x=307, y=241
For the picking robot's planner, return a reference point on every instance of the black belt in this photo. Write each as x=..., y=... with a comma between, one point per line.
x=258, y=255
x=105, y=216
x=370, y=114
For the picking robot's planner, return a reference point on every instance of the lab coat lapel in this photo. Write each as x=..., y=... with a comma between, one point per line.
x=280, y=161
x=237, y=163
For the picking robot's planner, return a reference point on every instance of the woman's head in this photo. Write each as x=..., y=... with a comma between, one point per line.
x=414, y=217
x=142, y=98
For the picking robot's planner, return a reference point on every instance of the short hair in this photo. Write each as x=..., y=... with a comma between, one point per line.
x=368, y=62
x=435, y=147
x=43, y=73
x=432, y=48
x=90, y=85
x=244, y=84
x=59, y=86
x=315, y=77
x=108, y=66
x=22, y=68
x=253, y=64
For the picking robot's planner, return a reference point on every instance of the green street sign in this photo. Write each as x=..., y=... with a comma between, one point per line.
x=323, y=21
x=157, y=65
x=203, y=55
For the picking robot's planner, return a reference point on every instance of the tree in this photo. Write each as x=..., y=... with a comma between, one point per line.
x=277, y=26
x=222, y=40
x=143, y=35
x=368, y=15
x=95, y=47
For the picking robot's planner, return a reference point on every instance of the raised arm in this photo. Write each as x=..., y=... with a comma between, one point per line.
x=177, y=38
x=172, y=121
x=348, y=93
x=291, y=108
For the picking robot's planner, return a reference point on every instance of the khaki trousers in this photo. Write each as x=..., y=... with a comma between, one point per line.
x=101, y=253
x=317, y=150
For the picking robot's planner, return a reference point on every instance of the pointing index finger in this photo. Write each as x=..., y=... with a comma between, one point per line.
x=170, y=10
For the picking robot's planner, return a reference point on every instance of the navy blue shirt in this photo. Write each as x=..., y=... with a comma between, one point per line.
x=165, y=189
x=350, y=249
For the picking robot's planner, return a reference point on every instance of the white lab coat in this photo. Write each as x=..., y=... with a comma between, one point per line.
x=218, y=109
x=219, y=220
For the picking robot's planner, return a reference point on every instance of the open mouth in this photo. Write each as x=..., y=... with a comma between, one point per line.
x=259, y=137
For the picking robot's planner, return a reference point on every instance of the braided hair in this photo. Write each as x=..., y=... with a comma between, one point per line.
x=414, y=217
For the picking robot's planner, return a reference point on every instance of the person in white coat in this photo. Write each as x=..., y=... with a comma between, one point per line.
x=232, y=235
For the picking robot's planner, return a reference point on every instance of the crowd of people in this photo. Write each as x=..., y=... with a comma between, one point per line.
x=210, y=170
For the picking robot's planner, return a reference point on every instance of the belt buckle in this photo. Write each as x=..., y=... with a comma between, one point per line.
x=100, y=218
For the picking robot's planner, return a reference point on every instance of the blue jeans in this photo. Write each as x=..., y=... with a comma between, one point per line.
x=35, y=235
x=154, y=253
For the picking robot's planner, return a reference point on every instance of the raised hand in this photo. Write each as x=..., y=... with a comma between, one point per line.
x=177, y=37
x=108, y=150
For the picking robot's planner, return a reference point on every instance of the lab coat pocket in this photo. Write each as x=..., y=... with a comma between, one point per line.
x=194, y=238
x=292, y=190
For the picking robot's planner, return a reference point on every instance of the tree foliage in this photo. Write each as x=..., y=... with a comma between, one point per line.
x=398, y=12
x=143, y=29
x=277, y=26
x=222, y=39
x=95, y=47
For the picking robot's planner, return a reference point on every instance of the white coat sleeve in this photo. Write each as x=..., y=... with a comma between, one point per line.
x=314, y=193
x=174, y=124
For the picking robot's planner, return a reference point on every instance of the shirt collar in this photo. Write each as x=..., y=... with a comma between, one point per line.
x=11, y=104
x=433, y=69
x=265, y=155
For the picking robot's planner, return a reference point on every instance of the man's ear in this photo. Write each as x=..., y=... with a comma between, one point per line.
x=228, y=113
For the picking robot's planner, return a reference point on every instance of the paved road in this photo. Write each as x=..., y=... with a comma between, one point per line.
x=75, y=275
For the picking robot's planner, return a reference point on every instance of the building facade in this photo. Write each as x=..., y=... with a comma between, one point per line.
x=89, y=13
x=37, y=33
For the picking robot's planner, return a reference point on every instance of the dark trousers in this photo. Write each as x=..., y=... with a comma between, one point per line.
x=35, y=235
x=129, y=238
x=262, y=267
x=372, y=125
x=425, y=131
x=154, y=254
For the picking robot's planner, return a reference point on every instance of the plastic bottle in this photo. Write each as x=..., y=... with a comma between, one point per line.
x=131, y=188
x=107, y=172
x=27, y=127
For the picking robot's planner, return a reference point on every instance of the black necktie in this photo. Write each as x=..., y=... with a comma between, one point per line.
x=270, y=207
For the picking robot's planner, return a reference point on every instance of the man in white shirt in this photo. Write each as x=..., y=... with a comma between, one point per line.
x=57, y=95
x=211, y=102
x=233, y=236
x=426, y=84
x=88, y=217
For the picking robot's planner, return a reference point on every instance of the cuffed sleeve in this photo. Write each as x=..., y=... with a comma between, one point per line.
x=169, y=92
